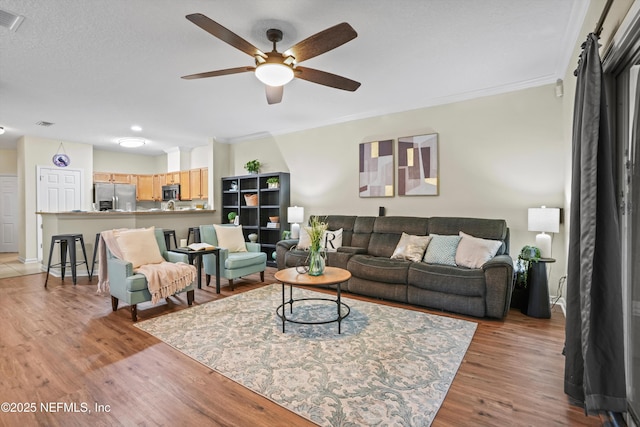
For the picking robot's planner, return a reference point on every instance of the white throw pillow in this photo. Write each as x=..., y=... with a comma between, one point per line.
x=473, y=252
x=410, y=247
x=331, y=240
x=304, y=241
x=139, y=246
x=442, y=250
x=230, y=238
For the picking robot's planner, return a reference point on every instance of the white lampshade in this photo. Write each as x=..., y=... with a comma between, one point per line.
x=545, y=220
x=295, y=215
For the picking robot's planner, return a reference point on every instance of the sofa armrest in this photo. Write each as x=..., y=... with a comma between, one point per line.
x=210, y=262
x=498, y=273
x=176, y=257
x=253, y=247
x=352, y=250
x=282, y=247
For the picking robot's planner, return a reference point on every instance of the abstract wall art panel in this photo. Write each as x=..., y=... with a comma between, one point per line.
x=376, y=169
x=418, y=165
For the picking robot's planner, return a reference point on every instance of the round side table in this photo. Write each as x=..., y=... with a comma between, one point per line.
x=539, y=289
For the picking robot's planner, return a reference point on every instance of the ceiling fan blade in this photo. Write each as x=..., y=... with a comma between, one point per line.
x=224, y=34
x=219, y=73
x=322, y=42
x=327, y=79
x=274, y=94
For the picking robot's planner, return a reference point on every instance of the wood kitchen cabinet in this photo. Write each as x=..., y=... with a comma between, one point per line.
x=158, y=181
x=185, y=185
x=114, y=178
x=199, y=183
x=144, y=188
x=173, y=178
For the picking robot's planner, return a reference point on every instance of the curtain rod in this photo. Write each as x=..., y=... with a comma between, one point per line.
x=605, y=11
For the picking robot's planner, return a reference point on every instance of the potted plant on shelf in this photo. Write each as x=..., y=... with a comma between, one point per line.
x=520, y=296
x=252, y=166
x=273, y=182
x=231, y=216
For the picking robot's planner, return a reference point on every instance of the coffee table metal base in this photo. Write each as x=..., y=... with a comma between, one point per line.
x=280, y=311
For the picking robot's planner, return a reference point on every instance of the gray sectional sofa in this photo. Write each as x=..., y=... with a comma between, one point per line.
x=369, y=242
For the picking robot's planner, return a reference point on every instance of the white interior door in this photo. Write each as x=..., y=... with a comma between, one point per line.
x=59, y=190
x=8, y=214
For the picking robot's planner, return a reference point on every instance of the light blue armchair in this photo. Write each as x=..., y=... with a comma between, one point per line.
x=132, y=288
x=234, y=264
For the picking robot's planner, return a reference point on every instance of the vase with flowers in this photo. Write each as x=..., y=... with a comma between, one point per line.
x=316, y=257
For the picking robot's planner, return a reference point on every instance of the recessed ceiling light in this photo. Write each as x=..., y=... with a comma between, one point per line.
x=132, y=142
x=136, y=128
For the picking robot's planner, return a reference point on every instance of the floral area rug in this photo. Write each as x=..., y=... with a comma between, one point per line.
x=389, y=366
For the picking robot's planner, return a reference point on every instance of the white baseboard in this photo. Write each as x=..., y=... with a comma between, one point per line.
x=560, y=303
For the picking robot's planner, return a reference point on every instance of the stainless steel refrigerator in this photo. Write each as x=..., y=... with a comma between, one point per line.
x=121, y=197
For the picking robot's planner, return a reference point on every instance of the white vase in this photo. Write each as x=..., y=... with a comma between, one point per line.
x=253, y=237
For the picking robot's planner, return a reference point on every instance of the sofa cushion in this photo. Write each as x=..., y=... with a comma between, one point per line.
x=237, y=260
x=473, y=252
x=410, y=247
x=139, y=246
x=388, y=230
x=362, y=229
x=230, y=238
x=494, y=229
x=442, y=250
x=344, y=222
x=447, y=279
x=380, y=269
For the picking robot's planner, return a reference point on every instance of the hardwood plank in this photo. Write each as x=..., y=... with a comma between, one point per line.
x=64, y=344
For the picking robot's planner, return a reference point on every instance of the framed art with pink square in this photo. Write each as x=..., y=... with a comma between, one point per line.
x=418, y=165
x=376, y=169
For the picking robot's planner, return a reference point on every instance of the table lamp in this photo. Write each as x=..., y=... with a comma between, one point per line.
x=295, y=215
x=545, y=220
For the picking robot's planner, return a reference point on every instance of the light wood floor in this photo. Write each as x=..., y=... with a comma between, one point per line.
x=11, y=267
x=64, y=345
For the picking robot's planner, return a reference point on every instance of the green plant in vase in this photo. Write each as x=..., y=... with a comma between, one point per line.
x=528, y=254
x=273, y=182
x=316, y=229
x=252, y=166
x=231, y=216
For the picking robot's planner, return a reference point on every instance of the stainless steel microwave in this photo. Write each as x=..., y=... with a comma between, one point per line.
x=170, y=192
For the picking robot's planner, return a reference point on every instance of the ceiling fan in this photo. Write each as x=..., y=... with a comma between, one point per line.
x=276, y=69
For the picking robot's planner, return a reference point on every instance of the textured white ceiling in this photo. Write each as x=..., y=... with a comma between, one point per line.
x=96, y=67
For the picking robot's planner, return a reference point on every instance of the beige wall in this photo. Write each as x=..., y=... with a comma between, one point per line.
x=8, y=162
x=119, y=162
x=31, y=153
x=498, y=156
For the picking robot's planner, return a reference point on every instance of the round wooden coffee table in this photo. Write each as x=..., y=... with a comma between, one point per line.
x=331, y=276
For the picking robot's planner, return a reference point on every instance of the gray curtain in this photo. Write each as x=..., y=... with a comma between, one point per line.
x=594, y=365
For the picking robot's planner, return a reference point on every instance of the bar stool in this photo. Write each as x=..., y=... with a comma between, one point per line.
x=167, y=238
x=67, y=242
x=95, y=254
x=196, y=234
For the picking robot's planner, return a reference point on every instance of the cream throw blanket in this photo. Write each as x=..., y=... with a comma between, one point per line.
x=164, y=279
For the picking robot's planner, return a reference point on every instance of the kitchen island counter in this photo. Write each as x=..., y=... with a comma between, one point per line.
x=91, y=223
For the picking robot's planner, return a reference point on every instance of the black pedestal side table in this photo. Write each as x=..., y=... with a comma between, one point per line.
x=197, y=257
x=539, y=305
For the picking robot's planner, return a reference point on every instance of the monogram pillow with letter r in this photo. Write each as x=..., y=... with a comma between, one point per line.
x=331, y=240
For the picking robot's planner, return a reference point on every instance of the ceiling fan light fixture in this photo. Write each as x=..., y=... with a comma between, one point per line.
x=274, y=74
x=132, y=142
